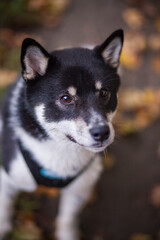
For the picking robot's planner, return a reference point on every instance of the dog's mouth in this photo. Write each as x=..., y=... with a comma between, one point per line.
x=96, y=147
x=71, y=138
x=99, y=147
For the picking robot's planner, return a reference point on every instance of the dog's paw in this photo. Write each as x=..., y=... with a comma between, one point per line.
x=66, y=235
x=5, y=228
x=66, y=231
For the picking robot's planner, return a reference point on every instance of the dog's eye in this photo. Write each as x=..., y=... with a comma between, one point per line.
x=66, y=99
x=104, y=93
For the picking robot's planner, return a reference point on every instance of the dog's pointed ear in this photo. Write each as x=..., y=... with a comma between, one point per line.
x=34, y=59
x=110, y=50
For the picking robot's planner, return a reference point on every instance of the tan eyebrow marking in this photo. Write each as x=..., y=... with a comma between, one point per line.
x=98, y=85
x=72, y=91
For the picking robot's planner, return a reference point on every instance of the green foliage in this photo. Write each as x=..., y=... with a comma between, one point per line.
x=16, y=13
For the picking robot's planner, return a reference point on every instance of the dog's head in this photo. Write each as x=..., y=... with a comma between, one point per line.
x=73, y=92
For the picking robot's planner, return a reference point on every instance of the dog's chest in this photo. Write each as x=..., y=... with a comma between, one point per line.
x=62, y=157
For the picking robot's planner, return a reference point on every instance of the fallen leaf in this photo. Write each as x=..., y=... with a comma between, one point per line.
x=135, y=41
x=130, y=99
x=130, y=59
x=140, y=236
x=7, y=77
x=134, y=44
x=57, y=8
x=36, y=5
x=133, y=18
x=137, y=110
x=52, y=192
x=27, y=231
x=59, y=5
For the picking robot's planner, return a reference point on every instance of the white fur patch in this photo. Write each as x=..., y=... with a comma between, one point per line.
x=7, y=194
x=13, y=120
x=21, y=174
x=96, y=119
x=78, y=129
x=73, y=198
x=88, y=46
x=98, y=85
x=72, y=91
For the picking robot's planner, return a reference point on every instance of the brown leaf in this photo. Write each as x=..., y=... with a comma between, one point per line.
x=7, y=77
x=28, y=231
x=36, y=5
x=154, y=42
x=52, y=192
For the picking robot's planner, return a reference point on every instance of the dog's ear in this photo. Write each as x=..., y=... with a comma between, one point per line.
x=110, y=50
x=34, y=59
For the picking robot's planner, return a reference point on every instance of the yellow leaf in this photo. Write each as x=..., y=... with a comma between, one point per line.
x=133, y=17
x=130, y=60
x=134, y=44
x=140, y=236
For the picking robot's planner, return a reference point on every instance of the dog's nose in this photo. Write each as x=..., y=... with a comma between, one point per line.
x=100, y=133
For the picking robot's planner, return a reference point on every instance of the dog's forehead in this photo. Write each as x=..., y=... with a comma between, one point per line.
x=80, y=70
x=78, y=77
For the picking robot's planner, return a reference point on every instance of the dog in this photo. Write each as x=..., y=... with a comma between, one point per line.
x=56, y=119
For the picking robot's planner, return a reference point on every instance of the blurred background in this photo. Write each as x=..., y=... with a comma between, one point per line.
x=126, y=203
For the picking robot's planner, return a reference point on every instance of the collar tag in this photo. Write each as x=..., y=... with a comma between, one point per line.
x=49, y=174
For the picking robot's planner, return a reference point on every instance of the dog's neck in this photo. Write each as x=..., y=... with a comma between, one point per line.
x=62, y=156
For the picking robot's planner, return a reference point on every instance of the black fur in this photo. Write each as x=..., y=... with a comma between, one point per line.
x=78, y=67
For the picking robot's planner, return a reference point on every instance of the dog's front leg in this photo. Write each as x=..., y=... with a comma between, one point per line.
x=7, y=196
x=73, y=199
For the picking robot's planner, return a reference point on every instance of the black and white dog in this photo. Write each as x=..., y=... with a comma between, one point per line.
x=55, y=120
